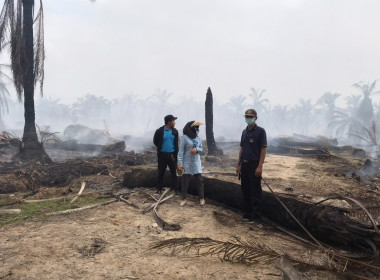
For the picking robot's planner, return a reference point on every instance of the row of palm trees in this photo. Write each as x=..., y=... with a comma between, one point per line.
x=22, y=33
x=133, y=115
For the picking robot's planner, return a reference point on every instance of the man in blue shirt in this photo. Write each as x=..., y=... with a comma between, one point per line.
x=166, y=140
x=252, y=153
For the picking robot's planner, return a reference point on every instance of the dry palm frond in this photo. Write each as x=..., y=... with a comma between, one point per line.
x=368, y=135
x=251, y=252
x=39, y=55
x=10, y=138
x=3, y=99
x=18, y=48
x=46, y=135
x=238, y=251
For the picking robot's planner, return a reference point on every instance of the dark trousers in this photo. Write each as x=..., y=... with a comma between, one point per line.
x=165, y=160
x=252, y=192
x=185, y=180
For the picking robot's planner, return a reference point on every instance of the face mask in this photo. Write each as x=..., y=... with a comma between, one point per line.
x=250, y=121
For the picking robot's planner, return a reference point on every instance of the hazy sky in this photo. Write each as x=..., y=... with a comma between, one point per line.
x=292, y=48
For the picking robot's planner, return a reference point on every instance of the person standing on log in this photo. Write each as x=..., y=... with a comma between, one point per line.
x=166, y=140
x=189, y=160
x=252, y=153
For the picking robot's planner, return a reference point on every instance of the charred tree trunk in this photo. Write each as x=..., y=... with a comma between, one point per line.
x=326, y=223
x=31, y=149
x=211, y=145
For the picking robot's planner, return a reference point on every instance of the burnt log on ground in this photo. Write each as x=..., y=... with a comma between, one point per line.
x=31, y=177
x=292, y=146
x=116, y=147
x=326, y=223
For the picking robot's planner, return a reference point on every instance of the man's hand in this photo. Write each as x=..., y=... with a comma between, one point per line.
x=180, y=167
x=258, y=171
x=193, y=151
x=237, y=169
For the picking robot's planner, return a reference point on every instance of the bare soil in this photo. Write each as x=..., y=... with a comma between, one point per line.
x=112, y=241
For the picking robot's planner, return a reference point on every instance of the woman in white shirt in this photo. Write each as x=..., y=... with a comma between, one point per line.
x=189, y=160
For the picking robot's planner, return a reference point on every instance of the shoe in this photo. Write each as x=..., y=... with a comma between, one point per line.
x=158, y=192
x=176, y=193
x=202, y=202
x=183, y=203
x=255, y=223
x=246, y=218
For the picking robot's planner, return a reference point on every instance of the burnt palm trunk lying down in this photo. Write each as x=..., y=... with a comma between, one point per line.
x=117, y=147
x=327, y=224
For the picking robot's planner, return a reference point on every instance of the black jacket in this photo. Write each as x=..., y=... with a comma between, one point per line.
x=159, y=138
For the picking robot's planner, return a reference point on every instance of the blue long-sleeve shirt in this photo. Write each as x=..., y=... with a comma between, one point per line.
x=191, y=163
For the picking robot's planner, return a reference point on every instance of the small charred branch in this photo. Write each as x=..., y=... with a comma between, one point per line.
x=211, y=145
x=127, y=202
x=326, y=223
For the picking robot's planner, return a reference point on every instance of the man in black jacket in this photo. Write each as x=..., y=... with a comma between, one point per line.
x=166, y=140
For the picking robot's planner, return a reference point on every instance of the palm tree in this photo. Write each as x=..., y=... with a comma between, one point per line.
x=344, y=121
x=100, y=107
x=304, y=114
x=162, y=97
x=258, y=100
x=238, y=105
x=27, y=53
x=27, y=62
x=280, y=115
x=365, y=110
x=327, y=101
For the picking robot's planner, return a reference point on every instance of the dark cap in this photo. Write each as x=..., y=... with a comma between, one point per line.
x=169, y=118
x=251, y=113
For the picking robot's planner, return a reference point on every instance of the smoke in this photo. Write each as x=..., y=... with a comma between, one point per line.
x=134, y=120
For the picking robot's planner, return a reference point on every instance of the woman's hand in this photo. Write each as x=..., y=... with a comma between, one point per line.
x=180, y=167
x=193, y=151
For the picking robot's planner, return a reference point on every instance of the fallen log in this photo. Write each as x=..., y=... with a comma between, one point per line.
x=326, y=223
